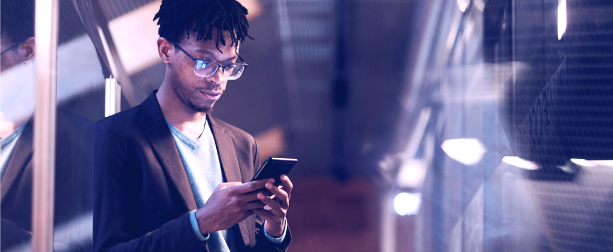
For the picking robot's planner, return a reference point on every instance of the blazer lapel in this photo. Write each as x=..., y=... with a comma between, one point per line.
x=163, y=144
x=22, y=155
x=225, y=149
x=229, y=165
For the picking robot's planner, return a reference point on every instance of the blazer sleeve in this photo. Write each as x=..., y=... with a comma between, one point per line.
x=116, y=217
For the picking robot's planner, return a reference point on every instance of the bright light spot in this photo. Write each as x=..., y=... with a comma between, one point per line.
x=463, y=5
x=411, y=174
x=519, y=162
x=468, y=151
x=561, y=18
x=407, y=203
x=582, y=162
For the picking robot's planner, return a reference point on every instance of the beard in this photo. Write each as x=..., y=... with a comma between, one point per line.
x=184, y=96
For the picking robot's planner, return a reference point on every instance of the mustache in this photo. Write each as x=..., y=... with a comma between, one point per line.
x=213, y=87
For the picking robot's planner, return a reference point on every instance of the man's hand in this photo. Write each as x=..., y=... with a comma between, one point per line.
x=229, y=204
x=276, y=206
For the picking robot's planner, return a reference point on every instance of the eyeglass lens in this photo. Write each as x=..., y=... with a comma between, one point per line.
x=208, y=68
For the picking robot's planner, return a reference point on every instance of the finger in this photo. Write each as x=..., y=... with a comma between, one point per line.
x=287, y=184
x=279, y=194
x=251, y=186
x=267, y=215
x=256, y=204
x=264, y=190
x=273, y=204
x=250, y=196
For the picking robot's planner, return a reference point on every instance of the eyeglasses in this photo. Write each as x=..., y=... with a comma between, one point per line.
x=12, y=46
x=205, y=68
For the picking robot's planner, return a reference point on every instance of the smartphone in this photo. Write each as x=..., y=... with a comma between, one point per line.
x=273, y=167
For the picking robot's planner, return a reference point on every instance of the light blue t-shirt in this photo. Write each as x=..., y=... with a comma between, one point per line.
x=8, y=147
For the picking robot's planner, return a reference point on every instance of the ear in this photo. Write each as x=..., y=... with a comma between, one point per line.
x=27, y=48
x=165, y=49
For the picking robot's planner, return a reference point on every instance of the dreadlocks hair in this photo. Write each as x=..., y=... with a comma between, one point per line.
x=178, y=17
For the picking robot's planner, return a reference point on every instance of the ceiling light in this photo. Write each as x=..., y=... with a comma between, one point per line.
x=561, y=18
x=468, y=151
x=407, y=203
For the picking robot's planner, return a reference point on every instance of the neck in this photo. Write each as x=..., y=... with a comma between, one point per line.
x=189, y=122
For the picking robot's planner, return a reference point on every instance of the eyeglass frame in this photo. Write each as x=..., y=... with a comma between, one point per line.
x=218, y=65
x=13, y=46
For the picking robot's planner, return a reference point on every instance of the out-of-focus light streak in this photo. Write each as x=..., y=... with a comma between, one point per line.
x=582, y=162
x=468, y=151
x=463, y=5
x=562, y=21
x=591, y=163
x=407, y=203
x=519, y=162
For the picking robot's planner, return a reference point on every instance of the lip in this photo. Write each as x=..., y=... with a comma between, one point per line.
x=211, y=94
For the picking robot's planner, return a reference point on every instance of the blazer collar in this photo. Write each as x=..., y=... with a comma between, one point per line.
x=21, y=156
x=226, y=151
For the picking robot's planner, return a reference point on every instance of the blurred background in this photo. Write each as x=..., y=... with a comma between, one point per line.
x=419, y=125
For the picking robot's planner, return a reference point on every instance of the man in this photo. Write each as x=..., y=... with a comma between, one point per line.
x=74, y=145
x=168, y=176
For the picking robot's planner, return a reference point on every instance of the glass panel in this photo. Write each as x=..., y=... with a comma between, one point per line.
x=516, y=145
x=80, y=98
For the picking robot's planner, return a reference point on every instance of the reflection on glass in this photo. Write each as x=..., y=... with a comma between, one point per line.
x=78, y=75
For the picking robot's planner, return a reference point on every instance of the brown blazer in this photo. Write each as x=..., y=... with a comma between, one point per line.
x=142, y=194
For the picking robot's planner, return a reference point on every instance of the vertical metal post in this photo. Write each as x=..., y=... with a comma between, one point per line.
x=46, y=33
x=112, y=98
x=387, y=229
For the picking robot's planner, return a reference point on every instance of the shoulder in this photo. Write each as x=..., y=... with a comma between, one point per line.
x=120, y=122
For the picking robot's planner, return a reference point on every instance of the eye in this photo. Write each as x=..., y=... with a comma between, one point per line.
x=201, y=64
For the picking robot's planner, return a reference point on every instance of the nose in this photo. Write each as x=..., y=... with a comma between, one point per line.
x=218, y=78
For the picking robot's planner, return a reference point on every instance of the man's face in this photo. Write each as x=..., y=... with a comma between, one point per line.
x=18, y=81
x=196, y=93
